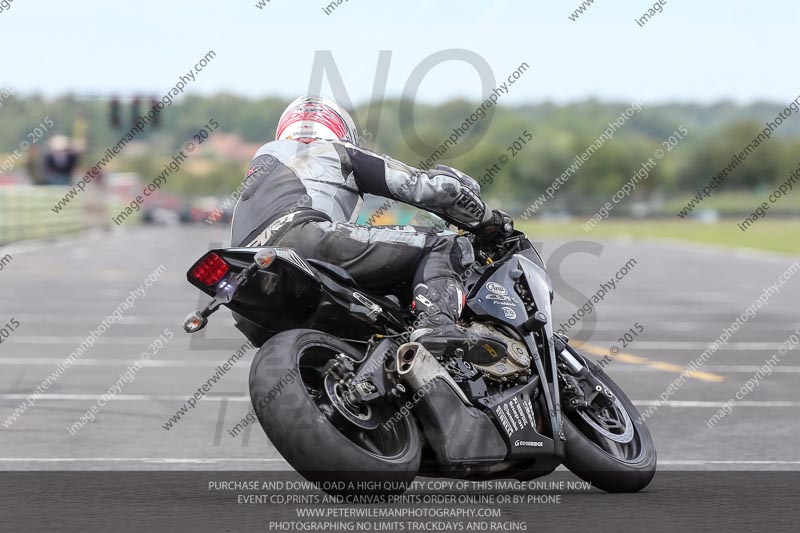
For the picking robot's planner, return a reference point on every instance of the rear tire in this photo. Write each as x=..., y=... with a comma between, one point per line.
x=589, y=461
x=315, y=439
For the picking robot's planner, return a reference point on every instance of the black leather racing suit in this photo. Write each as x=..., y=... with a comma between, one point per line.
x=308, y=196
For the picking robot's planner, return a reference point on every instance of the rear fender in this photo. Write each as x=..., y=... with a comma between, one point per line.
x=291, y=293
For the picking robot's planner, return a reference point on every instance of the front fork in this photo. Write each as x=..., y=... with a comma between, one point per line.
x=580, y=387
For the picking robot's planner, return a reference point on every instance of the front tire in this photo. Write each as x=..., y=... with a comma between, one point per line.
x=606, y=464
x=288, y=393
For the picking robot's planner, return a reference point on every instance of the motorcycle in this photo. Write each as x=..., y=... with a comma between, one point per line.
x=343, y=395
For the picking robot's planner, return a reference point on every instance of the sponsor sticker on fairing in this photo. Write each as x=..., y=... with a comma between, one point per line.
x=496, y=288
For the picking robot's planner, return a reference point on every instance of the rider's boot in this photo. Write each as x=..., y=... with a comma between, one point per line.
x=438, y=304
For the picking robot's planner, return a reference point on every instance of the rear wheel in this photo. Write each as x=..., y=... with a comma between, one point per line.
x=304, y=412
x=609, y=445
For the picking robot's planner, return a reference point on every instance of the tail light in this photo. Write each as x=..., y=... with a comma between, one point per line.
x=210, y=269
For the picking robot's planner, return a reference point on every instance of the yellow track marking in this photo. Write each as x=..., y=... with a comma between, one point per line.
x=660, y=365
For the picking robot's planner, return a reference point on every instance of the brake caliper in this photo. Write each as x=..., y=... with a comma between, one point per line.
x=342, y=370
x=582, y=392
x=340, y=367
x=572, y=396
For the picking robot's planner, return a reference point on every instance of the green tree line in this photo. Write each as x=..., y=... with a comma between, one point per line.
x=560, y=133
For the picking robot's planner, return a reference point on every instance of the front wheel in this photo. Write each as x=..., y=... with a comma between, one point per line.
x=609, y=446
x=322, y=436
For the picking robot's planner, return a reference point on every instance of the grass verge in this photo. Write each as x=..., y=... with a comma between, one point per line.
x=782, y=236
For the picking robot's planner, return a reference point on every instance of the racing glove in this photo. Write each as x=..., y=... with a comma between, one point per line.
x=499, y=226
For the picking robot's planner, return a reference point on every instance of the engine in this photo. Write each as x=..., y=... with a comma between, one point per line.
x=516, y=364
x=483, y=380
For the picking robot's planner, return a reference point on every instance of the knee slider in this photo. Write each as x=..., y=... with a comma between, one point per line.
x=462, y=254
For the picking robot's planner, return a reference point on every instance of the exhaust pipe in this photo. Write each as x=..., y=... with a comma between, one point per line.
x=457, y=433
x=418, y=368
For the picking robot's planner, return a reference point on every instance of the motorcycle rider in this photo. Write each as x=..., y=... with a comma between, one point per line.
x=304, y=190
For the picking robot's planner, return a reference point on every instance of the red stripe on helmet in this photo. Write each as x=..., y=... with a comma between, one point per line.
x=313, y=112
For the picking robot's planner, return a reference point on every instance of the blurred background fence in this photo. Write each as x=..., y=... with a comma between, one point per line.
x=26, y=213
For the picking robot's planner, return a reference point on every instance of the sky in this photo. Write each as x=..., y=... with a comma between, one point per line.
x=693, y=51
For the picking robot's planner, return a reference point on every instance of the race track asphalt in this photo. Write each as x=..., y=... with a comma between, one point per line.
x=682, y=297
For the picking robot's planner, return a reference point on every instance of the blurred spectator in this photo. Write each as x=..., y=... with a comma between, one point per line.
x=34, y=165
x=96, y=202
x=60, y=161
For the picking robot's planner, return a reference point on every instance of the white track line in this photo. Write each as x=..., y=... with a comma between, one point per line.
x=198, y=460
x=203, y=363
x=74, y=240
x=720, y=462
x=88, y=319
x=676, y=325
x=245, y=398
x=160, y=363
x=120, y=397
x=744, y=346
x=714, y=404
x=640, y=345
x=71, y=342
x=212, y=460
x=710, y=314
x=719, y=369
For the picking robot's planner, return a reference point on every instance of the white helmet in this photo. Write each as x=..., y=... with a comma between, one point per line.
x=313, y=118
